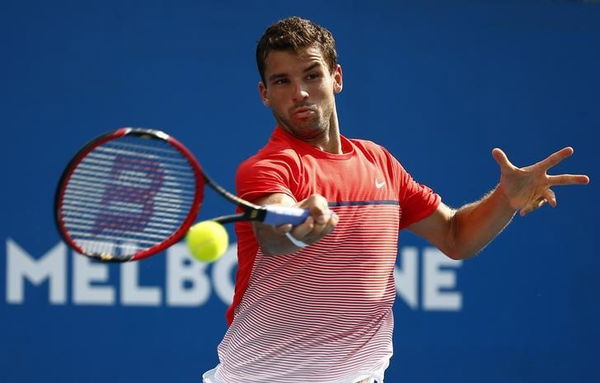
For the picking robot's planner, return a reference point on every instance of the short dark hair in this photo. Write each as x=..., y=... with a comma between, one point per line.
x=293, y=34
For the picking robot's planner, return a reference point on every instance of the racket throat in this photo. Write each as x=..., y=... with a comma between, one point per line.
x=255, y=214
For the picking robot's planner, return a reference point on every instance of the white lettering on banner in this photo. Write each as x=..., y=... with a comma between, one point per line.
x=85, y=272
x=188, y=283
x=435, y=278
x=134, y=294
x=222, y=274
x=20, y=266
x=405, y=278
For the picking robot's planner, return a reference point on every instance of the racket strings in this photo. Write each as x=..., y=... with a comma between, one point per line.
x=128, y=195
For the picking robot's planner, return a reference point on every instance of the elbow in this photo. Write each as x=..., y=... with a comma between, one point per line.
x=452, y=252
x=456, y=249
x=455, y=244
x=458, y=254
x=455, y=255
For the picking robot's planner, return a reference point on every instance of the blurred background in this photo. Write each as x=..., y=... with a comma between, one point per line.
x=439, y=83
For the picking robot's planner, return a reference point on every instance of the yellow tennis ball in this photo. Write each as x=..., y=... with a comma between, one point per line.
x=207, y=241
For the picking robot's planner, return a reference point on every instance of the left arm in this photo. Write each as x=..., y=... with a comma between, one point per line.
x=464, y=232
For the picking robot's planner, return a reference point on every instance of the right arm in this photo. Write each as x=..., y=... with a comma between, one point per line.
x=320, y=222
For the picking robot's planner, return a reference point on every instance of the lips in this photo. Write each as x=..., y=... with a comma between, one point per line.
x=302, y=113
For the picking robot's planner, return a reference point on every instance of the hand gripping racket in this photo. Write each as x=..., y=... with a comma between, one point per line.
x=131, y=193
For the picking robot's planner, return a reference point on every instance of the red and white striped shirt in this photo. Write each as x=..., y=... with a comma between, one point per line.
x=324, y=313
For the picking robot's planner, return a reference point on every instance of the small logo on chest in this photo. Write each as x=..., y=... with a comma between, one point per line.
x=379, y=183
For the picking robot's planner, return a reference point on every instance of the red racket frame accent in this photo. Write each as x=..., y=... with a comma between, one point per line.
x=169, y=241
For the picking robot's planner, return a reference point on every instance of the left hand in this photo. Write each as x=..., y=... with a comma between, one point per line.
x=528, y=188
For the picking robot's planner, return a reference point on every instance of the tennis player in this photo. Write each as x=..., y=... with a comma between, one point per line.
x=313, y=304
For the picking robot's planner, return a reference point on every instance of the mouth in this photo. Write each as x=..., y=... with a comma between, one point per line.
x=303, y=113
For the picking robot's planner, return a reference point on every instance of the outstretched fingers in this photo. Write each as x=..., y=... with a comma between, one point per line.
x=550, y=197
x=569, y=179
x=556, y=157
x=528, y=188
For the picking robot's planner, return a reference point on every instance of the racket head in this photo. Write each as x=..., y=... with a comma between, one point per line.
x=128, y=194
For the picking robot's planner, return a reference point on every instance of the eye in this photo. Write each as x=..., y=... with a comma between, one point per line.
x=313, y=75
x=280, y=81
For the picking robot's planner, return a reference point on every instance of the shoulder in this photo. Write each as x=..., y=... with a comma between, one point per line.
x=373, y=150
x=370, y=147
x=271, y=157
x=272, y=165
x=268, y=171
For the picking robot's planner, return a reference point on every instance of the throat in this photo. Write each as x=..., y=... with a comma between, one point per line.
x=329, y=145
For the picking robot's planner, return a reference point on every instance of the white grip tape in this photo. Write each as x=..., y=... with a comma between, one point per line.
x=295, y=241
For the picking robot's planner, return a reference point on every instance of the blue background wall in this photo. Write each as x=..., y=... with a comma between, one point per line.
x=439, y=83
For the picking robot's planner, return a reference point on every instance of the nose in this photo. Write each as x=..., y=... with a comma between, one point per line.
x=300, y=92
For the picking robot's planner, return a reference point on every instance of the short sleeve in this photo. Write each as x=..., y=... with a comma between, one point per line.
x=258, y=177
x=417, y=201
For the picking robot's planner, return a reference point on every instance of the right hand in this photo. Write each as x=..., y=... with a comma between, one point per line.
x=317, y=225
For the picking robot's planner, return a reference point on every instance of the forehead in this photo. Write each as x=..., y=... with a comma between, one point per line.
x=288, y=61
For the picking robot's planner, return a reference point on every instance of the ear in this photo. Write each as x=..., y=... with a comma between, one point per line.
x=338, y=79
x=262, y=91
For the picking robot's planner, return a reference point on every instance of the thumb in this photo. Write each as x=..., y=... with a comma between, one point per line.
x=502, y=159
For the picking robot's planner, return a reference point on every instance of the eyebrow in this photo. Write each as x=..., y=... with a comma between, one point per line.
x=276, y=76
x=313, y=66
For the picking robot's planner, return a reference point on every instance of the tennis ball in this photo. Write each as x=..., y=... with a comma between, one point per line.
x=207, y=241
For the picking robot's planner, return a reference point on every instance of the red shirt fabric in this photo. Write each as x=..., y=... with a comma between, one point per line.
x=326, y=310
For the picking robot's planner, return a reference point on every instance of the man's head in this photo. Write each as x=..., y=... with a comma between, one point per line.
x=300, y=78
x=293, y=35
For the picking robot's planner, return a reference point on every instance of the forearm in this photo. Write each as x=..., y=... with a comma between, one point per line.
x=272, y=241
x=475, y=225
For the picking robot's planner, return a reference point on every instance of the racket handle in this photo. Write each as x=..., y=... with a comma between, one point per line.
x=281, y=215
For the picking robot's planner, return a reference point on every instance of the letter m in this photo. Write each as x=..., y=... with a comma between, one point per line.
x=20, y=267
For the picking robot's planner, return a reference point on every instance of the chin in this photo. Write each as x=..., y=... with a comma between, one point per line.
x=310, y=133
x=306, y=130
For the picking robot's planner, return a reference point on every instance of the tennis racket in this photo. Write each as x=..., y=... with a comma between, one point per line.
x=131, y=193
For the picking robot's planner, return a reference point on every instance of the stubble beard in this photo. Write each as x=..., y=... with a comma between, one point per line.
x=311, y=129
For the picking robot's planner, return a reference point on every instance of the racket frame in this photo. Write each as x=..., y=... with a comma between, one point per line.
x=251, y=212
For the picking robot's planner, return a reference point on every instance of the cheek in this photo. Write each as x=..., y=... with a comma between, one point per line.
x=280, y=105
x=326, y=89
x=279, y=102
x=326, y=94
x=274, y=98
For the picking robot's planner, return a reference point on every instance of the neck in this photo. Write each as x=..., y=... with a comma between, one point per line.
x=330, y=142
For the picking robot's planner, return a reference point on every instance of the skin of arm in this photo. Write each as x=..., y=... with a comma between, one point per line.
x=464, y=232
